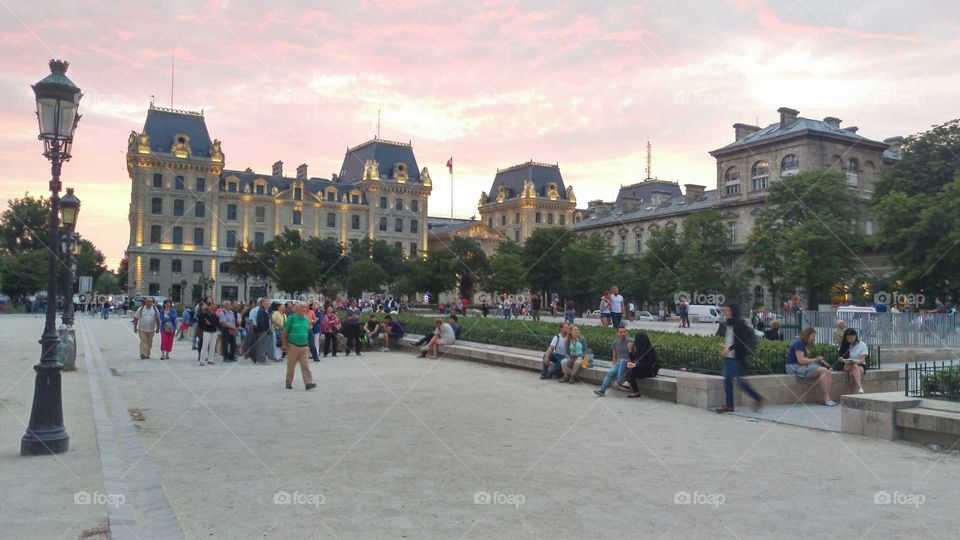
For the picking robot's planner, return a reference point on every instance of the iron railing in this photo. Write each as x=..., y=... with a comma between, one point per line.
x=933, y=380
x=888, y=330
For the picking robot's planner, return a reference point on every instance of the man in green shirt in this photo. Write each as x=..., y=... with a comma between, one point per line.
x=295, y=339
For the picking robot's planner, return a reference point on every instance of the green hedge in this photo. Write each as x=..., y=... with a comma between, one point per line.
x=942, y=384
x=674, y=350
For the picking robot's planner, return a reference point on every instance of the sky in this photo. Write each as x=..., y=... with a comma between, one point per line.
x=492, y=83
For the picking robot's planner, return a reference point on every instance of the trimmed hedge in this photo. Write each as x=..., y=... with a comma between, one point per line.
x=675, y=351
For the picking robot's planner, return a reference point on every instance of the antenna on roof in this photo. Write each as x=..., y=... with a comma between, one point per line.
x=173, y=58
x=378, y=123
x=649, y=161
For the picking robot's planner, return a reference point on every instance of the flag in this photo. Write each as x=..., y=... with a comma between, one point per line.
x=450, y=164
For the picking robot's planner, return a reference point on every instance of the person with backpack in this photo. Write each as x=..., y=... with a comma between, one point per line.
x=168, y=327
x=739, y=342
x=621, y=349
x=207, y=325
x=556, y=353
x=146, y=323
x=642, y=363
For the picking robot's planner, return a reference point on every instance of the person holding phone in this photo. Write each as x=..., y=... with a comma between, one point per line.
x=853, y=353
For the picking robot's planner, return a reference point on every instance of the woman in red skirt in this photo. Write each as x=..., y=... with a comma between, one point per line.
x=168, y=327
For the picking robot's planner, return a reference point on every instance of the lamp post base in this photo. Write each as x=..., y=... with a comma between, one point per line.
x=46, y=434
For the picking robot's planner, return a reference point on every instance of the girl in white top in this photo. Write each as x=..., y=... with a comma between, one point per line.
x=853, y=353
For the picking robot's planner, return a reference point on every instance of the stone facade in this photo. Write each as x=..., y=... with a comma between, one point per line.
x=442, y=231
x=188, y=213
x=526, y=197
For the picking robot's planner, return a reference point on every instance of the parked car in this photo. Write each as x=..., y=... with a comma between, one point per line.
x=704, y=313
x=643, y=316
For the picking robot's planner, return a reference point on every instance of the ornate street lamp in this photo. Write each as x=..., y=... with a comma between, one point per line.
x=58, y=103
x=69, y=211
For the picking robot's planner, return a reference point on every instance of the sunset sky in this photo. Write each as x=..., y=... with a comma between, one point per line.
x=492, y=83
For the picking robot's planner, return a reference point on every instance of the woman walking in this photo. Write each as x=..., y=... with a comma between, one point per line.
x=605, y=309
x=168, y=327
x=351, y=327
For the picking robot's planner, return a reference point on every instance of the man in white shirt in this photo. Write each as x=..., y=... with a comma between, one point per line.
x=616, y=306
x=443, y=334
x=146, y=323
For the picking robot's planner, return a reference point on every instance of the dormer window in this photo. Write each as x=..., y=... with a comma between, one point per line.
x=232, y=187
x=297, y=194
x=260, y=189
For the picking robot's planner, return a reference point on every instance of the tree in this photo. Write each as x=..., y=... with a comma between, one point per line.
x=333, y=263
x=123, y=270
x=25, y=273
x=705, y=256
x=90, y=261
x=297, y=271
x=659, y=264
x=584, y=267
x=434, y=275
x=365, y=275
x=472, y=265
x=244, y=265
x=506, y=273
x=540, y=252
x=24, y=225
x=106, y=283
x=387, y=256
x=928, y=162
x=805, y=233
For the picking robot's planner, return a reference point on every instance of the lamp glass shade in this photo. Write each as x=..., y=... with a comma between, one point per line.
x=77, y=248
x=58, y=101
x=69, y=209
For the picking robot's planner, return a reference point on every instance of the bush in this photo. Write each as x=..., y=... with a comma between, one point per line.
x=943, y=384
x=675, y=351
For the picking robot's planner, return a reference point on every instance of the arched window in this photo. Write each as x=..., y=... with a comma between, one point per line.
x=789, y=165
x=731, y=181
x=760, y=174
x=853, y=172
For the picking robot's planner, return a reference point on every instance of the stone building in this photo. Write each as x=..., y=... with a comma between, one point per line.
x=188, y=213
x=442, y=231
x=526, y=197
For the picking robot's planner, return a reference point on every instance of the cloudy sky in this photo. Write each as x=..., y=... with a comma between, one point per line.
x=493, y=83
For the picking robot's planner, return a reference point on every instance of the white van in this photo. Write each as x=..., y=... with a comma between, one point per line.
x=704, y=313
x=856, y=317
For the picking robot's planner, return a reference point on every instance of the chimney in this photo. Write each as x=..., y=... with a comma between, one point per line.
x=742, y=130
x=832, y=121
x=659, y=197
x=851, y=129
x=278, y=168
x=894, y=144
x=302, y=172
x=333, y=177
x=598, y=207
x=629, y=204
x=787, y=116
x=694, y=192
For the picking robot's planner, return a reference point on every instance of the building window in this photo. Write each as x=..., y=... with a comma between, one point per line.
x=731, y=181
x=178, y=207
x=355, y=199
x=398, y=226
x=759, y=174
x=732, y=231
x=258, y=239
x=383, y=224
x=331, y=196
x=199, y=210
x=297, y=194
x=638, y=243
x=260, y=189
x=175, y=293
x=153, y=289
x=789, y=165
x=550, y=219
x=758, y=296
x=383, y=202
x=563, y=219
x=156, y=206
x=229, y=292
x=155, y=232
x=232, y=187
x=157, y=180
x=536, y=219
x=398, y=205
x=178, y=235
x=869, y=227
x=516, y=236
x=331, y=219
x=231, y=239
x=853, y=172
x=413, y=249
x=355, y=222
x=176, y=266
x=197, y=267
x=414, y=205
x=178, y=183
x=503, y=220
x=231, y=212
x=201, y=185
x=225, y=267
x=198, y=236
x=297, y=217
x=154, y=265
x=516, y=218
x=399, y=246
x=490, y=222
x=414, y=226
x=260, y=214
x=623, y=245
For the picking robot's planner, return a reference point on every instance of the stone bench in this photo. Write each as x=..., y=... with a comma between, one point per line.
x=893, y=416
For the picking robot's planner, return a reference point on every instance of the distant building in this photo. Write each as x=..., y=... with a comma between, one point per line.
x=188, y=213
x=526, y=197
x=442, y=231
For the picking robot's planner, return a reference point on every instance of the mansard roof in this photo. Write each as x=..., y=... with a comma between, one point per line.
x=163, y=125
x=386, y=154
x=513, y=178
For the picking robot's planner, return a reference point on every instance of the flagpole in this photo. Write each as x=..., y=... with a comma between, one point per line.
x=451, y=193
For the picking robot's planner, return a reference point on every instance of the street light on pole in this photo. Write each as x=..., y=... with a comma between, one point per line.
x=69, y=211
x=58, y=102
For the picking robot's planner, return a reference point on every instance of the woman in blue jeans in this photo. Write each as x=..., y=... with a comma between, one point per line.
x=737, y=346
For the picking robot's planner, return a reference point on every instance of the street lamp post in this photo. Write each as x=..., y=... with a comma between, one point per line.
x=69, y=211
x=58, y=101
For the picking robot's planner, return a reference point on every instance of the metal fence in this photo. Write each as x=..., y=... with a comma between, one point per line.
x=888, y=330
x=933, y=380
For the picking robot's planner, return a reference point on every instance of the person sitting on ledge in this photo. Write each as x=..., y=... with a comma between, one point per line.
x=803, y=367
x=621, y=347
x=390, y=330
x=455, y=324
x=853, y=353
x=442, y=335
x=576, y=350
x=773, y=333
x=371, y=330
x=556, y=353
x=642, y=363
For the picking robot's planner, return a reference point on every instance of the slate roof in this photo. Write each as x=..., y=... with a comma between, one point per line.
x=438, y=225
x=283, y=183
x=644, y=190
x=774, y=131
x=162, y=125
x=672, y=206
x=386, y=153
x=513, y=178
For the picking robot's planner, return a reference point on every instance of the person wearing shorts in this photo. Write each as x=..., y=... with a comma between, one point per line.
x=803, y=367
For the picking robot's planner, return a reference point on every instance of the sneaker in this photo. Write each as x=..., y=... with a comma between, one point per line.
x=202, y=364
x=384, y=349
x=543, y=377
x=860, y=391
x=143, y=357
x=830, y=403
x=289, y=387
x=599, y=392
x=211, y=362
x=311, y=386
x=422, y=355
x=758, y=404
x=634, y=395
x=347, y=353
x=722, y=410
x=357, y=353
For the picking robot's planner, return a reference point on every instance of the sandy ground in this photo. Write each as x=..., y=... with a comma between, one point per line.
x=390, y=446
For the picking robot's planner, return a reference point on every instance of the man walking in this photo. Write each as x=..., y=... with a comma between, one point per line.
x=535, y=305
x=621, y=355
x=228, y=331
x=616, y=306
x=146, y=323
x=738, y=343
x=294, y=340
